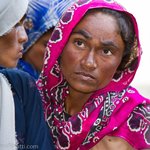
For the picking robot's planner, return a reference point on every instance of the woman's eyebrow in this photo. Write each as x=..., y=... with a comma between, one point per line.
x=109, y=43
x=83, y=33
x=88, y=36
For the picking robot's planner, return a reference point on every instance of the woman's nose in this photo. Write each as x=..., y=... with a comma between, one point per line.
x=89, y=62
x=22, y=35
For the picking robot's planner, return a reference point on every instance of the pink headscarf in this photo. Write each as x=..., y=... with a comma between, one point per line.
x=116, y=110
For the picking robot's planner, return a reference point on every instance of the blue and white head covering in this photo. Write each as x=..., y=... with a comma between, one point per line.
x=41, y=16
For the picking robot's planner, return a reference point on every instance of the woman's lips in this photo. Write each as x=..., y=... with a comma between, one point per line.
x=20, y=53
x=86, y=76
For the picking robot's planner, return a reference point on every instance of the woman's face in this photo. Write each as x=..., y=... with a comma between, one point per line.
x=93, y=53
x=36, y=52
x=11, y=46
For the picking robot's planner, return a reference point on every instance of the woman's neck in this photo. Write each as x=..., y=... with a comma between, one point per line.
x=75, y=101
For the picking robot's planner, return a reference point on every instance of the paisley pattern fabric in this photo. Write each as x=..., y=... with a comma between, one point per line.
x=116, y=110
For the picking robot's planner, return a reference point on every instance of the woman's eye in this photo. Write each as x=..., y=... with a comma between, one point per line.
x=107, y=52
x=18, y=24
x=79, y=43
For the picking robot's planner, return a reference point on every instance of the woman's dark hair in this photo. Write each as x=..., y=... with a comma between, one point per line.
x=127, y=33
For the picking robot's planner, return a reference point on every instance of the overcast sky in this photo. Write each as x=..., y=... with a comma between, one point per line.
x=141, y=10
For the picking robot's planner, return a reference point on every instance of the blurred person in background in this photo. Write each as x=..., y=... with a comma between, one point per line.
x=22, y=124
x=41, y=18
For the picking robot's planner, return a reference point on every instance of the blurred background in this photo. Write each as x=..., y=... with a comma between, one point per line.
x=141, y=10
